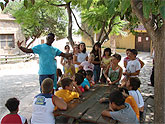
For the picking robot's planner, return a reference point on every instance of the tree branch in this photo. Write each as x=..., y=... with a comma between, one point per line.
x=58, y=5
x=34, y=37
x=109, y=30
x=136, y=6
x=69, y=10
x=106, y=34
x=101, y=32
x=83, y=30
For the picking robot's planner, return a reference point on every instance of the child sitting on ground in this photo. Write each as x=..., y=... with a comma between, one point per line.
x=113, y=72
x=13, y=117
x=120, y=111
x=44, y=104
x=130, y=100
x=132, y=85
x=68, y=93
x=79, y=79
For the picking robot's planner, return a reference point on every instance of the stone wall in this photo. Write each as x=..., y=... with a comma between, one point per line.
x=11, y=27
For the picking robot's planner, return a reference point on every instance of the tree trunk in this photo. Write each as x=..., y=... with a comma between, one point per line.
x=101, y=32
x=159, y=98
x=158, y=38
x=83, y=30
x=69, y=25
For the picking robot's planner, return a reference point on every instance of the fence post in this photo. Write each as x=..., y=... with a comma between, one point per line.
x=6, y=59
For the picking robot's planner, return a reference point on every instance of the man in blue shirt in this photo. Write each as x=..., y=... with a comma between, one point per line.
x=47, y=54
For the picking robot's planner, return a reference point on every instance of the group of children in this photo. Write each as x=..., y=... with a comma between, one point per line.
x=125, y=104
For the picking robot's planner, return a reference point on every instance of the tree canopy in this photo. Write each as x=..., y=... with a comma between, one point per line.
x=39, y=19
x=96, y=15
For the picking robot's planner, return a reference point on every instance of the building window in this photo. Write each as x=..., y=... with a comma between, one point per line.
x=139, y=39
x=7, y=41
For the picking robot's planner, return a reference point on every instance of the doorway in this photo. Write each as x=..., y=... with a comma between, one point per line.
x=142, y=42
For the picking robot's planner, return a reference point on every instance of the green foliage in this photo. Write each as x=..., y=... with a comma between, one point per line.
x=26, y=3
x=162, y=9
x=112, y=6
x=95, y=17
x=40, y=18
x=101, y=13
x=2, y=5
x=125, y=4
x=12, y=7
x=152, y=9
x=147, y=7
x=118, y=27
x=89, y=2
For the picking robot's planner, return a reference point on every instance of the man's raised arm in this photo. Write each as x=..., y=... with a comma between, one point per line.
x=26, y=50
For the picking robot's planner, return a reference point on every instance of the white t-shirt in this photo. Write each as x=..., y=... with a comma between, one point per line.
x=133, y=66
x=87, y=66
x=43, y=108
x=81, y=57
x=138, y=97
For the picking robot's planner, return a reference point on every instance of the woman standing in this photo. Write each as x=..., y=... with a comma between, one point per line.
x=97, y=60
x=82, y=55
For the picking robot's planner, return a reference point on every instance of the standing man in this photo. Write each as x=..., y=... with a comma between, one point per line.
x=47, y=54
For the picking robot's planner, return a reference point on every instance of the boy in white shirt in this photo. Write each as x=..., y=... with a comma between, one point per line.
x=45, y=103
x=133, y=66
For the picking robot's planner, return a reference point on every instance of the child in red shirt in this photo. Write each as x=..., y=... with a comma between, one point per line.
x=13, y=117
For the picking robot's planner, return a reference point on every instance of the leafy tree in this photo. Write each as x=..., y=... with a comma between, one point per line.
x=98, y=19
x=84, y=7
x=39, y=19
